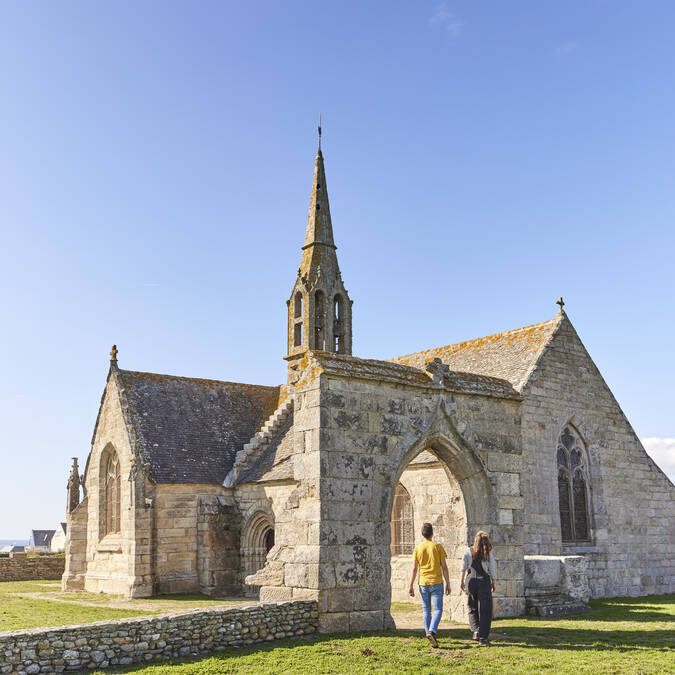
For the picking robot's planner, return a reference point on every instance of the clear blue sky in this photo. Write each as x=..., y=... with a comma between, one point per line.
x=482, y=159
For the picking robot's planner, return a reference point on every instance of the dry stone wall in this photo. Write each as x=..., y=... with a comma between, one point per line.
x=116, y=643
x=28, y=569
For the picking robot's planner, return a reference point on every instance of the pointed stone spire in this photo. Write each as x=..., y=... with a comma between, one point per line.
x=319, y=224
x=319, y=309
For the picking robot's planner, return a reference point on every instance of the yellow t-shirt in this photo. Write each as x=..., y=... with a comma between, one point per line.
x=429, y=555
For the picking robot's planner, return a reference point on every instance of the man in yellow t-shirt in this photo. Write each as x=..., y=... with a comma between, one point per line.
x=430, y=561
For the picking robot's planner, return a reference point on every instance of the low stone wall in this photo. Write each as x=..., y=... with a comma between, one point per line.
x=568, y=573
x=113, y=643
x=28, y=569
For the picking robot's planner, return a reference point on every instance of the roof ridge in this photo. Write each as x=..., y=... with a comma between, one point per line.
x=347, y=357
x=476, y=339
x=387, y=362
x=198, y=379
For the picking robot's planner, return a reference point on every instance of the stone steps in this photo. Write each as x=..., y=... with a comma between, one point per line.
x=554, y=604
x=271, y=426
x=268, y=431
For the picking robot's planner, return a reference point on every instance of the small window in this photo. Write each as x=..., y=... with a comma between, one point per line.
x=338, y=325
x=268, y=541
x=402, y=542
x=319, y=320
x=298, y=305
x=297, y=335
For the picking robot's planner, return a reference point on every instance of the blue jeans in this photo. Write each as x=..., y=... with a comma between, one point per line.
x=428, y=594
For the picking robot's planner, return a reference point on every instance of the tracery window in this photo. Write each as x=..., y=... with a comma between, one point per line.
x=402, y=540
x=111, y=495
x=572, y=490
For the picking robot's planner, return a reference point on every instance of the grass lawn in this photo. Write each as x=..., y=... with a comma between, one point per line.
x=620, y=635
x=35, y=604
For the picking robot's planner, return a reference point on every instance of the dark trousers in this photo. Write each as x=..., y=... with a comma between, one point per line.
x=480, y=606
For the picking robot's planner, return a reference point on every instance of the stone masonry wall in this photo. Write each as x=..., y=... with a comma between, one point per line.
x=218, y=543
x=27, y=569
x=368, y=433
x=274, y=505
x=108, y=561
x=114, y=643
x=176, y=522
x=631, y=501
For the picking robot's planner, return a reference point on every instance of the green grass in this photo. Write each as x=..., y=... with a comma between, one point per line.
x=621, y=635
x=19, y=609
x=35, y=604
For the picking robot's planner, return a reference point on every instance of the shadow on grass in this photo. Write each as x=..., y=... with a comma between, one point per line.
x=455, y=639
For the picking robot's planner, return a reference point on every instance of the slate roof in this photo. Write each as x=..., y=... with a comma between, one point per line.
x=41, y=537
x=190, y=429
x=13, y=548
x=508, y=356
x=393, y=371
x=273, y=462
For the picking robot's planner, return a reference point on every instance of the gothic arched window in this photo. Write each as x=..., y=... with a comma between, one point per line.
x=402, y=540
x=572, y=490
x=111, y=494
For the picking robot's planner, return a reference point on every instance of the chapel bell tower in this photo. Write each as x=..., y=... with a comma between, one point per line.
x=319, y=309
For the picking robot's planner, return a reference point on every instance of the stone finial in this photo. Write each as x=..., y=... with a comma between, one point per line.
x=113, y=354
x=560, y=303
x=73, y=487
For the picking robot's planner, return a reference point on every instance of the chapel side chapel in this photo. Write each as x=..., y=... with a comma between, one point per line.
x=317, y=488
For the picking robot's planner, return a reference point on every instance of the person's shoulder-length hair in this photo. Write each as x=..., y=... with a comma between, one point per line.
x=481, y=546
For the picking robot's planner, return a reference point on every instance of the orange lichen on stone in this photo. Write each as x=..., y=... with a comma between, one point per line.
x=510, y=355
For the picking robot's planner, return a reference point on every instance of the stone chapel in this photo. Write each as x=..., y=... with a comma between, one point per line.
x=317, y=488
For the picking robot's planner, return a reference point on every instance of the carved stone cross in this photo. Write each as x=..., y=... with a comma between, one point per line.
x=438, y=370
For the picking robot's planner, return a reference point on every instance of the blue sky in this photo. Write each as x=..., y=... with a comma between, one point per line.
x=482, y=159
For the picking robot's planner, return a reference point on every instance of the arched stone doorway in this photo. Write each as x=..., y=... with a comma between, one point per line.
x=449, y=488
x=427, y=492
x=257, y=542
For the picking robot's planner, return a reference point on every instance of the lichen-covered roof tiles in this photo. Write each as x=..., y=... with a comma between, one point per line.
x=509, y=356
x=190, y=429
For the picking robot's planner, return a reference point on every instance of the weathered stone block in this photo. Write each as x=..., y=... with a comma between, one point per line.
x=366, y=621
x=334, y=622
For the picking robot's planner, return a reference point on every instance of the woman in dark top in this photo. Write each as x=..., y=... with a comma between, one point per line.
x=480, y=564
